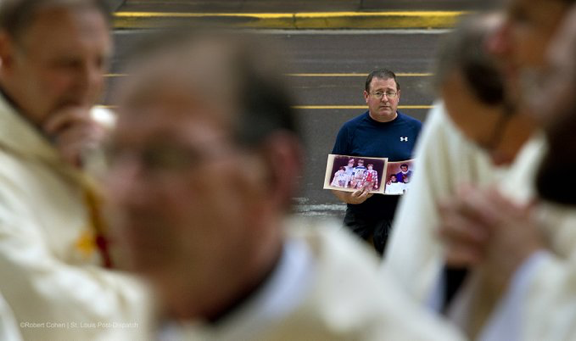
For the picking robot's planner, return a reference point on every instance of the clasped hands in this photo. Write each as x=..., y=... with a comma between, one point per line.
x=74, y=132
x=482, y=229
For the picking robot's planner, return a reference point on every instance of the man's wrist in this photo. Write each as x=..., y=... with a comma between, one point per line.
x=500, y=278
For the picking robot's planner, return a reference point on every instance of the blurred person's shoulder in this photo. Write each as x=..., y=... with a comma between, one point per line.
x=378, y=307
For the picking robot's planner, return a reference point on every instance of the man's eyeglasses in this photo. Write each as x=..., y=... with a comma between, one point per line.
x=380, y=94
x=160, y=158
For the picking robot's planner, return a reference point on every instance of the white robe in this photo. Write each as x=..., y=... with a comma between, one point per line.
x=342, y=299
x=546, y=299
x=50, y=271
x=541, y=303
x=443, y=158
x=9, y=330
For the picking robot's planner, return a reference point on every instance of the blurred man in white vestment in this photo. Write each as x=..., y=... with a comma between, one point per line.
x=525, y=262
x=487, y=313
x=53, y=245
x=449, y=153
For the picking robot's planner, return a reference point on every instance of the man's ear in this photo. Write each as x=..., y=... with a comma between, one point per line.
x=366, y=95
x=283, y=154
x=6, y=50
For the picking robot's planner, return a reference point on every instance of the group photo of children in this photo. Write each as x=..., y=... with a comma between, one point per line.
x=351, y=173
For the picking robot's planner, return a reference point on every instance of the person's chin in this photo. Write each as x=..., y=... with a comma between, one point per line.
x=387, y=113
x=74, y=102
x=501, y=159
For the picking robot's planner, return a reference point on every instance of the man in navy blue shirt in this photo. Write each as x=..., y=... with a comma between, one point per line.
x=382, y=131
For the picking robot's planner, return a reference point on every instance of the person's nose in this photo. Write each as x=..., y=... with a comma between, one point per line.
x=90, y=78
x=124, y=183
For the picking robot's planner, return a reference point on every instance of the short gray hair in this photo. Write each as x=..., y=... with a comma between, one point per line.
x=257, y=83
x=17, y=15
x=464, y=50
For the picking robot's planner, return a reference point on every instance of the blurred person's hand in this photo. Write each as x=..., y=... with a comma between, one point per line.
x=482, y=228
x=515, y=236
x=463, y=236
x=74, y=133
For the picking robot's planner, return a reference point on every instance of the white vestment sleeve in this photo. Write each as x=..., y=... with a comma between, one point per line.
x=506, y=321
x=443, y=159
x=8, y=327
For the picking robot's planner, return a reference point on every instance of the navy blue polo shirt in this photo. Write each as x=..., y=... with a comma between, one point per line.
x=363, y=136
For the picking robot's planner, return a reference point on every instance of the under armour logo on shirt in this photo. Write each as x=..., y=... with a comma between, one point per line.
x=403, y=138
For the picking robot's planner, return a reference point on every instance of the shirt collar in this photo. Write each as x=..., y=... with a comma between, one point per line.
x=276, y=299
x=20, y=135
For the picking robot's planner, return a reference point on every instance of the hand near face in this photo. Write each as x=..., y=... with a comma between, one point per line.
x=74, y=132
x=482, y=228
